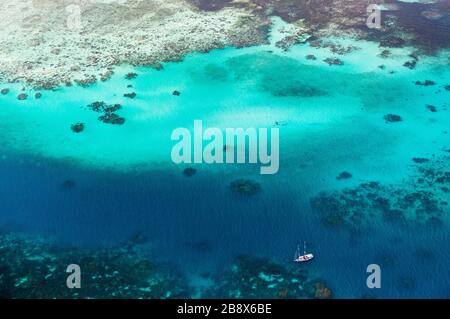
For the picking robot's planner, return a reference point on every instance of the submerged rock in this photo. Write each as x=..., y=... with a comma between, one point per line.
x=22, y=96
x=420, y=160
x=131, y=76
x=410, y=64
x=112, y=108
x=344, y=175
x=103, y=107
x=189, y=172
x=176, y=93
x=392, y=118
x=130, y=95
x=4, y=91
x=385, y=54
x=97, y=106
x=333, y=61
x=77, y=128
x=311, y=57
x=425, y=83
x=447, y=87
x=245, y=187
x=112, y=118
x=38, y=95
x=432, y=108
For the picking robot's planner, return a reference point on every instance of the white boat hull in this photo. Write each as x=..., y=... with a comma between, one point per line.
x=304, y=258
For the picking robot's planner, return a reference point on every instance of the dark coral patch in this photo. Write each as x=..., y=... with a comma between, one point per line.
x=245, y=187
x=189, y=172
x=77, y=127
x=392, y=118
x=112, y=118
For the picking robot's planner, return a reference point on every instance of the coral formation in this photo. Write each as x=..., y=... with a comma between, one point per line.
x=425, y=83
x=392, y=118
x=35, y=268
x=22, y=96
x=252, y=277
x=245, y=187
x=421, y=200
x=344, y=175
x=77, y=127
x=111, y=118
x=45, y=50
x=131, y=76
x=131, y=95
x=189, y=172
x=333, y=61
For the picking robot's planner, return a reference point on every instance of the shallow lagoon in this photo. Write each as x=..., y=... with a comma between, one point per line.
x=124, y=181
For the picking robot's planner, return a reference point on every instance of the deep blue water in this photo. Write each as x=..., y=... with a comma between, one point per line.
x=177, y=214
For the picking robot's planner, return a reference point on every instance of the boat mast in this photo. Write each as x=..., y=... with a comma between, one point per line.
x=304, y=248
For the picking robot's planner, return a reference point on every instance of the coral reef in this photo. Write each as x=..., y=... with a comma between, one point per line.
x=44, y=50
x=189, y=172
x=131, y=76
x=35, y=268
x=22, y=96
x=432, y=108
x=77, y=127
x=392, y=118
x=245, y=187
x=422, y=200
x=131, y=95
x=344, y=175
x=109, y=116
x=256, y=278
x=425, y=83
x=333, y=61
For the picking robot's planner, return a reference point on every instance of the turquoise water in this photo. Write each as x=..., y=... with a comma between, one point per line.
x=332, y=121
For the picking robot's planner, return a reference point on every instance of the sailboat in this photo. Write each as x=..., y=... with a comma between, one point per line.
x=302, y=258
